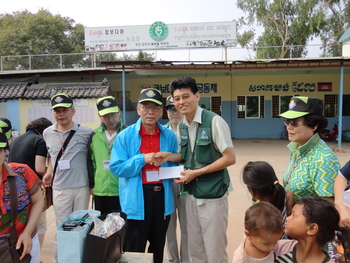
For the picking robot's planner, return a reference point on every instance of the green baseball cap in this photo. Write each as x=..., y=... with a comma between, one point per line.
x=107, y=105
x=152, y=95
x=6, y=127
x=3, y=139
x=169, y=102
x=61, y=100
x=301, y=106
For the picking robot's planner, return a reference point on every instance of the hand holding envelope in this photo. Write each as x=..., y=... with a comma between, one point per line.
x=170, y=172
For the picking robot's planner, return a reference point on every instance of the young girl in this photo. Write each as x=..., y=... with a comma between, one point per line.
x=263, y=230
x=314, y=222
x=263, y=185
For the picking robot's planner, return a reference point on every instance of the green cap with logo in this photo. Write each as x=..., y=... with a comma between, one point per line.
x=61, y=100
x=3, y=139
x=169, y=102
x=151, y=94
x=301, y=106
x=6, y=127
x=107, y=105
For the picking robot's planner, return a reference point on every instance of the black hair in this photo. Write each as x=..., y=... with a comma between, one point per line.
x=326, y=216
x=39, y=125
x=261, y=178
x=183, y=82
x=263, y=216
x=313, y=119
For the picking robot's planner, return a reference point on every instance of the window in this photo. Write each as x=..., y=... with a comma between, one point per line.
x=250, y=107
x=280, y=104
x=211, y=103
x=331, y=105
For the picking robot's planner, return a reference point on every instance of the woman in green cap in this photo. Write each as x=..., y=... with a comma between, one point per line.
x=312, y=166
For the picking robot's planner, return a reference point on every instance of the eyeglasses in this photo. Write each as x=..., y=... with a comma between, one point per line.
x=148, y=108
x=293, y=123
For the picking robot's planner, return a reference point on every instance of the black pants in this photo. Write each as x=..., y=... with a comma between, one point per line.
x=153, y=228
x=107, y=203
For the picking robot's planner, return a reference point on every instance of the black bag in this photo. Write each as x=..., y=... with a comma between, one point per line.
x=105, y=250
x=9, y=254
x=8, y=251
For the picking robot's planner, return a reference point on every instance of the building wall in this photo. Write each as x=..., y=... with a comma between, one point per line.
x=267, y=83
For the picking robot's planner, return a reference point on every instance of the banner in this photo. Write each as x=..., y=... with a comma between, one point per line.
x=161, y=36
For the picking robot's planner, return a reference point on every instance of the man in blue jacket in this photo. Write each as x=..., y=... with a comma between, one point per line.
x=147, y=201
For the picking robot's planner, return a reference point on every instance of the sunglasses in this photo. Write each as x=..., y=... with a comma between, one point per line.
x=293, y=123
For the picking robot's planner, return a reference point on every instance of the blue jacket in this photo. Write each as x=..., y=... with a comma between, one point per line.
x=127, y=162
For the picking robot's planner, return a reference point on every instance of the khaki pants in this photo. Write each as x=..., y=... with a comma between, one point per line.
x=174, y=255
x=207, y=225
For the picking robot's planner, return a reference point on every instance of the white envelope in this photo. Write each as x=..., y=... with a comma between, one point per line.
x=170, y=172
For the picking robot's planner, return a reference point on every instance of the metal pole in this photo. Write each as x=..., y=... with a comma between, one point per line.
x=340, y=110
x=123, y=93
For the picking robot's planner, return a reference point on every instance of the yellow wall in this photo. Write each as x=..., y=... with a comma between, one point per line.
x=241, y=85
x=223, y=84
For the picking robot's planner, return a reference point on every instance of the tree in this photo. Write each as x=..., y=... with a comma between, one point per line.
x=140, y=56
x=25, y=33
x=337, y=21
x=287, y=26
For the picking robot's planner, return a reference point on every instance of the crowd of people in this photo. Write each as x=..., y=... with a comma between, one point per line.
x=301, y=219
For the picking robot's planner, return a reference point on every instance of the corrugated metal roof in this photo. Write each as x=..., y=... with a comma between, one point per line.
x=75, y=90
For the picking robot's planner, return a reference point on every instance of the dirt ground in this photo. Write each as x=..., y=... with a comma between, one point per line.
x=273, y=151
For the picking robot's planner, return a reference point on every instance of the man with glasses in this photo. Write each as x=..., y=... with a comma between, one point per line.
x=147, y=200
x=206, y=150
x=68, y=175
x=106, y=185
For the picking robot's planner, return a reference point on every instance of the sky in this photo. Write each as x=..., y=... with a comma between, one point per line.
x=143, y=12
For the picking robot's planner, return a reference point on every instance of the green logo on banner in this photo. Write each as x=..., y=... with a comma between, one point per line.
x=158, y=31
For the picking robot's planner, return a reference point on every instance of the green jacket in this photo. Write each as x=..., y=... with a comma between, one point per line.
x=105, y=183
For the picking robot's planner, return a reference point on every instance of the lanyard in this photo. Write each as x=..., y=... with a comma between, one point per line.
x=62, y=144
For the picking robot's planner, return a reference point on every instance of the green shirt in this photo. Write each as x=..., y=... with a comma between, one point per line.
x=312, y=169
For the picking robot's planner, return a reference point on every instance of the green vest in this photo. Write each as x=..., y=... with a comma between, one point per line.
x=212, y=185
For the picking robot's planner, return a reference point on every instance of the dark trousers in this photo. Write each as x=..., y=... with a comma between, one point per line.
x=153, y=228
x=107, y=203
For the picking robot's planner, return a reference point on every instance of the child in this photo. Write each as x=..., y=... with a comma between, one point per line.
x=314, y=222
x=341, y=183
x=263, y=230
x=263, y=185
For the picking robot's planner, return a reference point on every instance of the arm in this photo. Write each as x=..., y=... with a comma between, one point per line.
x=40, y=164
x=47, y=178
x=228, y=158
x=290, y=202
x=91, y=165
x=37, y=202
x=339, y=185
x=126, y=161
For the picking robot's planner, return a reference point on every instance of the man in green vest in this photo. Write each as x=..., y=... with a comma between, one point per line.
x=205, y=148
x=106, y=188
